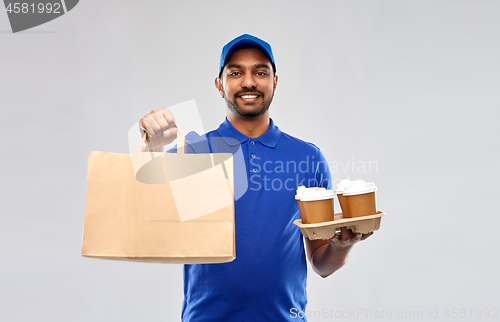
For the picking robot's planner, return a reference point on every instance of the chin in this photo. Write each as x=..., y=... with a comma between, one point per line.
x=251, y=114
x=248, y=111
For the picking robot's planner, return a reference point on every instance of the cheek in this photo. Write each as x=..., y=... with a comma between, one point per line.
x=228, y=88
x=270, y=87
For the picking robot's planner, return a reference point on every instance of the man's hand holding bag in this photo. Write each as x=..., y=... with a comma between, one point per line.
x=160, y=207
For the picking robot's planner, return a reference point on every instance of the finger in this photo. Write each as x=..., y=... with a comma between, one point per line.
x=365, y=236
x=149, y=128
x=171, y=132
x=345, y=234
x=357, y=236
x=146, y=117
x=155, y=127
x=142, y=127
x=162, y=122
x=334, y=239
x=169, y=117
x=142, y=120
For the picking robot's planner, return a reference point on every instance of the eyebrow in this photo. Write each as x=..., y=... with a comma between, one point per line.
x=261, y=66
x=254, y=66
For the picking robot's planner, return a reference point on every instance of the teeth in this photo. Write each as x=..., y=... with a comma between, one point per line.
x=248, y=96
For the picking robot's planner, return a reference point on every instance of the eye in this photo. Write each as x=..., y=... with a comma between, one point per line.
x=261, y=74
x=234, y=74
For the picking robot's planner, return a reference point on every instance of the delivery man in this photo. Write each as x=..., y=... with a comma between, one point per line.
x=267, y=280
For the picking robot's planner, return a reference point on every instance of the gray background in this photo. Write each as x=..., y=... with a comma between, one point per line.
x=412, y=85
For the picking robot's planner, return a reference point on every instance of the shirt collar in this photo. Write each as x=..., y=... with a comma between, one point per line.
x=270, y=138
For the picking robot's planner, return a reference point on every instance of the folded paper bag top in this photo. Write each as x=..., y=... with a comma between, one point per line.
x=200, y=176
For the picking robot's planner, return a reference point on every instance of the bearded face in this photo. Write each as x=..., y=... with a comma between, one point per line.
x=248, y=83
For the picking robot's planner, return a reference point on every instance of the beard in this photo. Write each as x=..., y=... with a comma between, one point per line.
x=248, y=113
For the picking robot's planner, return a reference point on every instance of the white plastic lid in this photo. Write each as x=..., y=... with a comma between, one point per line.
x=345, y=183
x=313, y=194
x=302, y=189
x=359, y=188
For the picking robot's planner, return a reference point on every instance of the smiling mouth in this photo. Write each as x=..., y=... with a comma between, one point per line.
x=249, y=97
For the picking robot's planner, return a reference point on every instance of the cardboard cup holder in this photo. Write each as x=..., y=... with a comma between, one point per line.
x=326, y=230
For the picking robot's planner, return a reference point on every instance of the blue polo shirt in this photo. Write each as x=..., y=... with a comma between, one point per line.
x=268, y=277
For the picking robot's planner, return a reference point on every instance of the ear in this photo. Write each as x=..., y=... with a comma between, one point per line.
x=275, y=81
x=218, y=85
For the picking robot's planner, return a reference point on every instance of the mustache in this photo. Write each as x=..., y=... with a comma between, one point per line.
x=248, y=90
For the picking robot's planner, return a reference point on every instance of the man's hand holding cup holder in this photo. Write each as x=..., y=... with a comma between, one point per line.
x=357, y=200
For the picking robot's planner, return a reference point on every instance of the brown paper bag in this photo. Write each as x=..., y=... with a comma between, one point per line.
x=183, y=214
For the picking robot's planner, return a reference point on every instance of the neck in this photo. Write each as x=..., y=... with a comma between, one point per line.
x=251, y=128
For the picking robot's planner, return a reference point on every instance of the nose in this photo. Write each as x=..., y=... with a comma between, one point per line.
x=248, y=80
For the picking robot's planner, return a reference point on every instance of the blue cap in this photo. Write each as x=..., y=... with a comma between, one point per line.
x=245, y=41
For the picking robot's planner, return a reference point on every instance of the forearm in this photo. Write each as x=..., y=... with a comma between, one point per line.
x=326, y=259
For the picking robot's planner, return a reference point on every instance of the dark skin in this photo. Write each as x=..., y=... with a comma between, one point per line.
x=327, y=256
x=247, y=85
x=247, y=72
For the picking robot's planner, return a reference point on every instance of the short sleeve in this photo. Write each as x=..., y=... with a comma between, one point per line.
x=323, y=176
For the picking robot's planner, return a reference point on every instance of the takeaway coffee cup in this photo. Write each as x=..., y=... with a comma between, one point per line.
x=298, y=196
x=317, y=204
x=360, y=199
x=340, y=195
